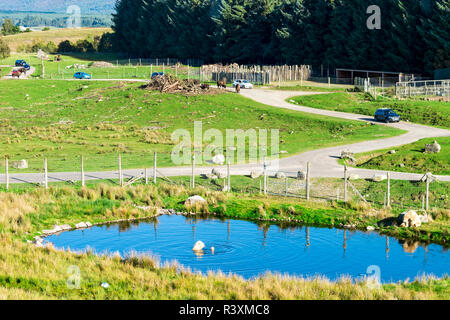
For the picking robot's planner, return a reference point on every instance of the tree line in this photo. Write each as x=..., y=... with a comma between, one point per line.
x=413, y=35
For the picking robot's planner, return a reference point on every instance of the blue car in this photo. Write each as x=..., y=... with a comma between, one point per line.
x=26, y=66
x=21, y=63
x=156, y=74
x=82, y=75
x=386, y=115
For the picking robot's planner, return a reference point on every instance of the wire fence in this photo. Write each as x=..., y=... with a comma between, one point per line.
x=380, y=191
x=439, y=88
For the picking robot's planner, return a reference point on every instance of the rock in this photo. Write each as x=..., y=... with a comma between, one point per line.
x=348, y=155
x=218, y=159
x=350, y=226
x=283, y=152
x=392, y=152
x=280, y=175
x=199, y=245
x=426, y=218
x=81, y=225
x=370, y=228
x=256, y=174
x=65, y=227
x=105, y=285
x=88, y=224
x=219, y=174
x=102, y=64
x=55, y=229
x=353, y=176
x=22, y=164
x=301, y=175
x=401, y=165
x=194, y=199
x=379, y=177
x=409, y=219
x=433, y=148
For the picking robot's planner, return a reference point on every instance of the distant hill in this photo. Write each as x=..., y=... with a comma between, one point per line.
x=60, y=6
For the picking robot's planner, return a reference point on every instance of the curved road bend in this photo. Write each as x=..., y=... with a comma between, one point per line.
x=323, y=161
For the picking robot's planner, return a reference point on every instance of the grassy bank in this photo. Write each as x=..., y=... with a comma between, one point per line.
x=64, y=120
x=434, y=113
x=409, y=158
x=27, y=272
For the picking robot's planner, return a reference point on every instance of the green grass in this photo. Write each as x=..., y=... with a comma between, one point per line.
x=62, y=121
x=27, y=272
x=433, y=113
x=56, y=36
x=411, y=156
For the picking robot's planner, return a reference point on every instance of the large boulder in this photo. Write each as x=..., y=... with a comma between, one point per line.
x=218, y=159
x=22, y=164
x=409, y=219
x=433, y=148
x=194, y=199
x=348, y=155
x=255, y=174
x=219, y=174
x=301, y=175
x=280, y=175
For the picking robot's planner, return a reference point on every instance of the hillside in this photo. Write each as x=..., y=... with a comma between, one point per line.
x=56, y=36
x=86, y=6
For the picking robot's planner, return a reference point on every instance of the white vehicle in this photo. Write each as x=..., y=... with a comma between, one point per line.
x=244, y=84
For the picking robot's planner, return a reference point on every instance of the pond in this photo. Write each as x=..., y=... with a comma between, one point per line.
x=249, y=249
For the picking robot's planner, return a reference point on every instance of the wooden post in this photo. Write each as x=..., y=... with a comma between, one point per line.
x=286, y=186
x=82, y=172
x=329, y=82
x=308, y=165
x=146, y=175
x=7, y=172
x=45, y=174
x=427, y=196
x=193, y=173
x=388, y=190
x=154, y=168
x=345, y=183
x=120, y=171
x=229, y=177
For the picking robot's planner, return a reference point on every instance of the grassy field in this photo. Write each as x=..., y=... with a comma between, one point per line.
x=27, y=272
x=121, y=68
x=433, y=113
x=64, y=120
x=55, y=35
x=409, y=158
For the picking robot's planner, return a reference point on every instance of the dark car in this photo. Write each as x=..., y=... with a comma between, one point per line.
x=156, y=74
x=26, y=66
x=386, y=115
x=20, y=63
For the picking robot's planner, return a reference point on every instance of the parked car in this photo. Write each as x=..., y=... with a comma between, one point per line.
x=21, y=63
x=156, y=74
x=26, y=66
x=244, y=84
x=16, y=73
x=387, y=115
x=82, y=75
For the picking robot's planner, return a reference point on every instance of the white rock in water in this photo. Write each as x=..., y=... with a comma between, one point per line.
x=88, y=224
x=80, y=225
x=199, y=245
x=65, y=227
x=218, y=159
x=195, y=199
x=22, y=164
x=370, y=228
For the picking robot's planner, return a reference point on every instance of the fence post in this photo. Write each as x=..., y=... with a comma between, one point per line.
x=193, y=171
x=308, y=165
x=345, y=183
x=154, y=168
x=229, y=177
x=6, y=172
x=120, y=171
x=286, y=186
x=146, y=175
x=427, y=196
x=82, y=171
x=45, y=174
x=388, y=190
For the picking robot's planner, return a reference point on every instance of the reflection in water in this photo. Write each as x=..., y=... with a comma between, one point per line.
x=245, y=253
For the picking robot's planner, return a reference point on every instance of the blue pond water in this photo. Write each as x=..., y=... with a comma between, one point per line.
x=249, y=249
